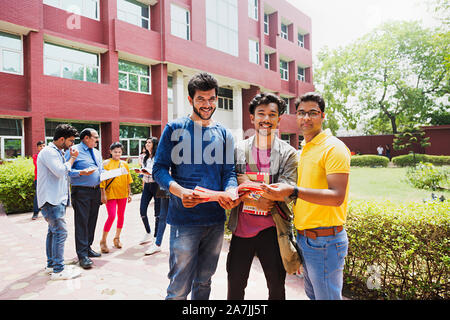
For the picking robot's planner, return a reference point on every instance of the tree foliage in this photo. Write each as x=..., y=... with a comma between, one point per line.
x=396, y=75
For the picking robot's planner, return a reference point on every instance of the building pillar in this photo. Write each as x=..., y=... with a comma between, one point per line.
x=178, y=94
x=237, y=130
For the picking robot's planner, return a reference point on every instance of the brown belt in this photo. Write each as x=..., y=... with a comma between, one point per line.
x=314, y=233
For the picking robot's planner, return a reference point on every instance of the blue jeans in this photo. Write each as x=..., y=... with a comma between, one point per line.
x=194, y=254
x=324, y=260
x=148, y=193
x=56, y=235
x=161, y=225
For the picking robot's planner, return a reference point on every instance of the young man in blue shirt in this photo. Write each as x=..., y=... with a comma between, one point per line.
x=199, y=152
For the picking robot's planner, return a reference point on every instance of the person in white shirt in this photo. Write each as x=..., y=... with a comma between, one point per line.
x=53, y=197
x=380, y=150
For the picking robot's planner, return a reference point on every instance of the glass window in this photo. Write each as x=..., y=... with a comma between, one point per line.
x=301, y=74
x=50, y=126
x=134, y=77
x=253, y=51
x=301, y=40
x=284, y=31
x=11, y=139
x=267, y=61
x=225, y=97
x=284, y=71
x=179, y=22
x=11, y=55
x=222, y=26
x=71, y=63
x=266, y=23
x=170, y=89
x=11, y=127
x=134, y=12
x=87, y=8
x=253, y=9
x=133, y=138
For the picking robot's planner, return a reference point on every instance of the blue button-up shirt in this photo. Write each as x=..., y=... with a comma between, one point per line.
x=83, y=161
x=52, y=170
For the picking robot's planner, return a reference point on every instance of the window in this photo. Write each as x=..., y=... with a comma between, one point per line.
x=134, y=12
x=87, y=8
x=266, y=23
x=284, y=31
x=222, y=26
x=169, y=89
x=133, y=139
x=253, y=9
x=267, y=61
x=11, y=138
x=180, y=25
x=286, y=100
x=225, y=98
x=134, y=77
x=301, y=74
x=50, y=126
x=71, y=63
x=284, y=70
x=301, y=40
x=286, y=138
x=11, y=53
x=253, y=51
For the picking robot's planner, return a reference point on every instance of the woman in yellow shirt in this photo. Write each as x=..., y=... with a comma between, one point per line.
x=115, y=194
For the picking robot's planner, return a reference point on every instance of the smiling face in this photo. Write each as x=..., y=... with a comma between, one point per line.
x=309, y=119
x=203, y=104
x=265, y=119
x=116, y=153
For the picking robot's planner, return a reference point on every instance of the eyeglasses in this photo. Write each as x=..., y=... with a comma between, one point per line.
x=202, y=102
x=312, y=114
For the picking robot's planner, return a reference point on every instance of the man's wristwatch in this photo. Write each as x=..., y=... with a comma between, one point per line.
x=294, y=194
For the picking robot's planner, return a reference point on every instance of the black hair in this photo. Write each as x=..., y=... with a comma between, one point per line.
x=155, y=142
x=65, y=131
x=86, y=133
x=40, y=142
x=266, y=98
x=115, y=145
x=203, y=82
x=311, y=96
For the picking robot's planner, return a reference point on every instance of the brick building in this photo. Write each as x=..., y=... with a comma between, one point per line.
x=122, y=66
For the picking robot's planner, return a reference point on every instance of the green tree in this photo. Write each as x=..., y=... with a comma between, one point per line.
x=398, y=74
x=410, y=137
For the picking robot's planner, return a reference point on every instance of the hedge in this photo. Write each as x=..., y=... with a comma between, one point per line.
x=407, y=160
x=16, y=185
x=17, y=190
x=369, y=161
x=398, y=251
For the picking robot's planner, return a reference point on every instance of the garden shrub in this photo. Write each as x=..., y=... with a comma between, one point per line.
x=136, y=186
x=369, y=161
x=16, y=185
x=407, y=160
x=404, y=247
x=427, y=176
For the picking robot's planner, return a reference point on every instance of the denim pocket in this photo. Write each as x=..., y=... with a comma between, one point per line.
x=316, y=244
x=342, y=248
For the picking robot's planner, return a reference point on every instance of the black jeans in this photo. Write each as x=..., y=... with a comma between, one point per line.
x=239, y=261
x=85, y=203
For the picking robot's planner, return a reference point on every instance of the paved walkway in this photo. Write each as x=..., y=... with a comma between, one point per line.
x=122, y=274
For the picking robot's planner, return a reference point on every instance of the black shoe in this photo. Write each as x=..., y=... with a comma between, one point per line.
x=93, y=254
x=35, y=216
x=86, y=263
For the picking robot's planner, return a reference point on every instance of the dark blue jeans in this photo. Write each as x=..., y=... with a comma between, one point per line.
x=148, y=194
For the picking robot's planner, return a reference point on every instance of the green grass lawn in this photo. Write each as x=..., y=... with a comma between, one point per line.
x=386, y=184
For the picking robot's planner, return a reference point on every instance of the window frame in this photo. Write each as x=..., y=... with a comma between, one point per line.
x=253, y=52
x=141, y=141
x=2, y=49
x=186, y=24
x=127, y=73
x=301, y=76
x=301, y=43
x=11, y=137
x=61, y=61
x=140, y=18
x=266, y=24
x=253, y=6
x=284, y=35
x=284, y=72
x=59, y=6
x=267, y=61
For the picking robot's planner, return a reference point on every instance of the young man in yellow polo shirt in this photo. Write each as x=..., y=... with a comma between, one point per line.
x=321, y=207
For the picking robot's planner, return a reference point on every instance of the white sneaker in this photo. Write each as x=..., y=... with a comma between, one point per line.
x=66, y=274
x=152, y=249
x=147, y=238
x=48, y=270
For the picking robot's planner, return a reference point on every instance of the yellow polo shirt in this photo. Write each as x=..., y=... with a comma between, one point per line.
x=323, y=155
x=118, y=189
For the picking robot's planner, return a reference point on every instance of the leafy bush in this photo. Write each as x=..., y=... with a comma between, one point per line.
x=427, y=176
x=136, y=186
x=408, y=160
x=369, y=161
x=16, y=185
x=403, y=247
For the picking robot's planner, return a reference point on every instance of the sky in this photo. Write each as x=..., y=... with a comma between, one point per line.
x=339, y=22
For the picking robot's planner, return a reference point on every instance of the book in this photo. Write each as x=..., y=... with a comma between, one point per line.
x=213, y=195
x=257, y=178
